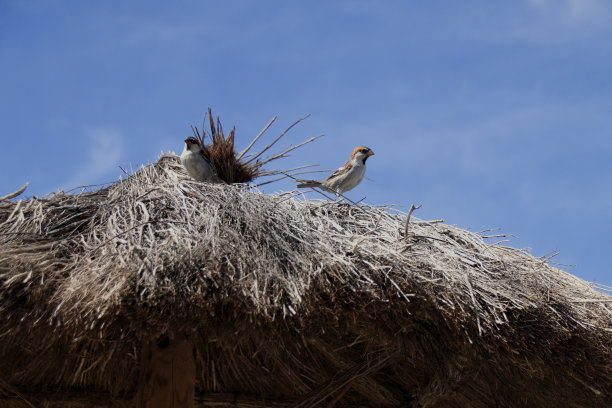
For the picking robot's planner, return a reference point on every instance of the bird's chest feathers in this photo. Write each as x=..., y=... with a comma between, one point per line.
x=356, y=174
x=194, y=161
x=352, y=177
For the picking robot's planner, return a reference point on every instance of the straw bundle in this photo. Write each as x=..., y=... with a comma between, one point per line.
x=286, y=303
x=222, y=155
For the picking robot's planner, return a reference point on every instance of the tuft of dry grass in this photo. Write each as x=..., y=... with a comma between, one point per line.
x=233, y=167
x=222, y=155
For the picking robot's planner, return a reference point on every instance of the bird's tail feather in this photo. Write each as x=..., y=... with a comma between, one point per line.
x=308, y=183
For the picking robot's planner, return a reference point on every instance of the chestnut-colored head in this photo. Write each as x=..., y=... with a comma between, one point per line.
x=361, y=153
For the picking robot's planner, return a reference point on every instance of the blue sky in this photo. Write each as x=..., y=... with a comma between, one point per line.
x=489, y=114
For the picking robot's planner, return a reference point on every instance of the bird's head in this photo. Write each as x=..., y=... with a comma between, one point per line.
x=192, y=144
x=361, y=153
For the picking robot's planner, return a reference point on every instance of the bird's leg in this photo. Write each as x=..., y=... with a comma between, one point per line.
x=339, y=197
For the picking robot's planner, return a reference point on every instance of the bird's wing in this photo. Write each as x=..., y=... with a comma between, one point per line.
x=342, y=170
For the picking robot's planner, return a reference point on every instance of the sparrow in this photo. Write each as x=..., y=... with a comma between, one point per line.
x=197, y=161
x=346, y=177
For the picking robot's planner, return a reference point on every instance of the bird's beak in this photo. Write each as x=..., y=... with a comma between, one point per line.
x=370, y=153
x=186, y=141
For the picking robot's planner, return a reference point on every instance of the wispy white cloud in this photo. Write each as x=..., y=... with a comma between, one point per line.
x=574, y=11
x=100, y=159
x=547, y=22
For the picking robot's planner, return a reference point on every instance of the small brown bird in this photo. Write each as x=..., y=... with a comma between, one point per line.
x=346, y=177
x=197, y=161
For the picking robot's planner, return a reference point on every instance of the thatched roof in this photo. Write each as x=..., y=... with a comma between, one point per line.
x=287, y=302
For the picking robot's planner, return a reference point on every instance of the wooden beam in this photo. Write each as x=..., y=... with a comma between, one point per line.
x=167, y=373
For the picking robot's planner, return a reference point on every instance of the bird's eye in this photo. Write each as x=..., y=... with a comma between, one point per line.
x=364, y=150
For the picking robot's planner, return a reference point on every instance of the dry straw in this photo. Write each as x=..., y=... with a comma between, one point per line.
x=287, y=303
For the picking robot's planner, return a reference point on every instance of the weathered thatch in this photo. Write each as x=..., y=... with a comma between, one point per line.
x=286, y=303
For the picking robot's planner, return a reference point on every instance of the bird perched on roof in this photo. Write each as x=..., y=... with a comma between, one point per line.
x=197, y=161
x=346, y=177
